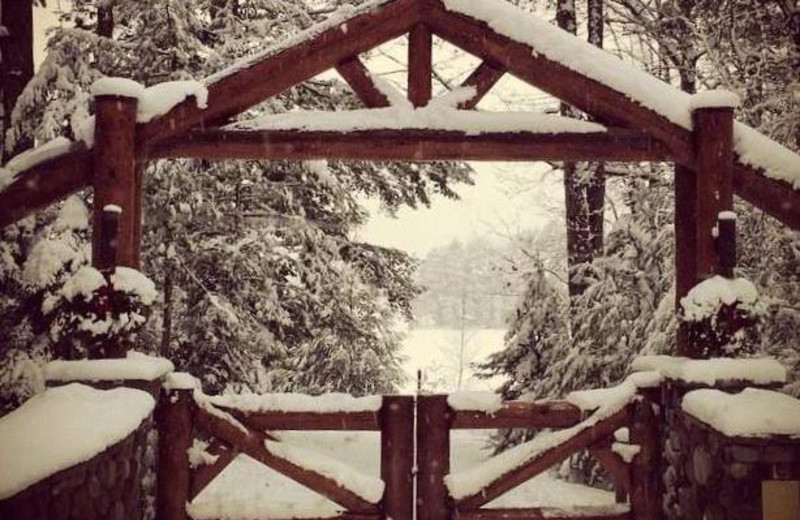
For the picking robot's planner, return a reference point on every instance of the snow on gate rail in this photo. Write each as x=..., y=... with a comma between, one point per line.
x=233, y=424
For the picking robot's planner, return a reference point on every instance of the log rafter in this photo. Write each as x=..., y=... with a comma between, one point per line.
x=356, y=74
x=483, y=79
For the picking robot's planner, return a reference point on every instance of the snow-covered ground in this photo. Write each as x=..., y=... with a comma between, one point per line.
x=247, y=489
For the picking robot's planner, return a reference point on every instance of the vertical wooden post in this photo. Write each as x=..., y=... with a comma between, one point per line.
x=397, y=457
x=175, y=437
x=420, y=65
x=646, y=488
x=434, y=419
x=701, y=194
x=115, y=176
x=713, y=139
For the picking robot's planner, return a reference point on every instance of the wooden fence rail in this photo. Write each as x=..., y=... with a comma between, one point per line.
x=401, y=421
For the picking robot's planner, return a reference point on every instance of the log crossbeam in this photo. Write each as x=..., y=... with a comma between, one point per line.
x=520, y=414
x=413, y=145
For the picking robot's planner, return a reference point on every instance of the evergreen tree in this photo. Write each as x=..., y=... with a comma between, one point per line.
x=260, y=279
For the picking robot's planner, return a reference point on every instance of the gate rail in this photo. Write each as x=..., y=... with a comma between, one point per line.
x=181, y=415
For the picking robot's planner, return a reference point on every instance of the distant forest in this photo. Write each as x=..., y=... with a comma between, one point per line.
x=470, y=285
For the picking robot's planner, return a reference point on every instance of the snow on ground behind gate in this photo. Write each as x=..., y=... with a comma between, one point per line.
x=248, y=489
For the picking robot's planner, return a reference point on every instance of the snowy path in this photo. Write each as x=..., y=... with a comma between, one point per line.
x=248, y=489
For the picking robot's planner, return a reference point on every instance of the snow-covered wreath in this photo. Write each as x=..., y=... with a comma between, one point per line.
x=723, y=315
x=97, y=315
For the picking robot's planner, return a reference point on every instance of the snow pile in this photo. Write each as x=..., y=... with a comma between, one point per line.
x=488, y=402
x=199, y=456
x=626, y=451
x=760, y=371
x=33, y=157
x=134, y=282
x=63, y=427
x=759, y=151
x=324, y=403
x=715, y=99
x=136, y=366
x=121, y=87
x=615, y=397
x=180, y=381
x=751, y=413
x=161, y=98
x=432, y=117
x=706, y=298
x=153, y=101
x=605, y=403
x=366, y=487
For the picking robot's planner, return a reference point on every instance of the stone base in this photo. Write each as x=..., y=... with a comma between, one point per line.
x=106, y=487
x=708, y=476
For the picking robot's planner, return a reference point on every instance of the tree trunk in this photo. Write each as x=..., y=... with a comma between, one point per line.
x=16, y=67
x=584, y=184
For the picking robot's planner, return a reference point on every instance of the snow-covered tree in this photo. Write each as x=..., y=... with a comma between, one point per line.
x=260, y=279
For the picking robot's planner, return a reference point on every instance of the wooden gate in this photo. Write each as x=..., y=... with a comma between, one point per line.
x=440, y=495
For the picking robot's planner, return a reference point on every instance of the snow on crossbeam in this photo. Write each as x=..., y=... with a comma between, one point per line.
x=289, y=402
x=760, y=371
x=62, y=427
x=136, y=366
x=429, y=118
x=751, y=413
x=303, y=412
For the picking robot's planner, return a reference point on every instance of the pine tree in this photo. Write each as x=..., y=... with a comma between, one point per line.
x=260, y=279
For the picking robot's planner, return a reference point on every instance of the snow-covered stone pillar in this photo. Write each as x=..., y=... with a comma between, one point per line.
x=116, y=183
x=702, y=194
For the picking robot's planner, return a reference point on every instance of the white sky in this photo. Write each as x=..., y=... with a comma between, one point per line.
x=506, y=197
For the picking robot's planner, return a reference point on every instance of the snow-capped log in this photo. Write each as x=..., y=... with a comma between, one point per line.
x=520, y=414
x=302, y=412
x=310, y=53
x=42, y=182
x=253, y=444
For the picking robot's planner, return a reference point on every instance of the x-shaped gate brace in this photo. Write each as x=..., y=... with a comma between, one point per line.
x=415, y=455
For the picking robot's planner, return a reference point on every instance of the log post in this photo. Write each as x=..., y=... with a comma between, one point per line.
x=646, y=490
x=713, y=139
x=175, y=436
x=397, y=457
x=701, y=194
x=420, y=65
x=115, y=177
x=434, y=418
